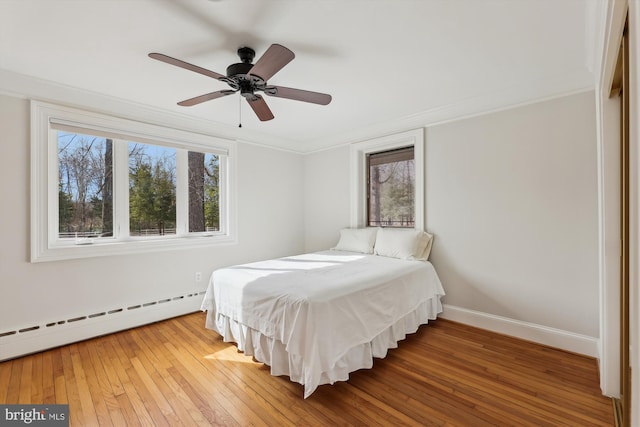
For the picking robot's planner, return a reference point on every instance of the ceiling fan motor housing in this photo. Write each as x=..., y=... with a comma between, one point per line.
x=239, y=69
x=238, y=73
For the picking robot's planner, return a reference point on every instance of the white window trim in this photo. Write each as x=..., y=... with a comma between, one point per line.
x=358, y=159
x=45, y=245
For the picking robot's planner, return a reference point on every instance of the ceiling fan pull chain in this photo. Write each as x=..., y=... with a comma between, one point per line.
x=240, y=111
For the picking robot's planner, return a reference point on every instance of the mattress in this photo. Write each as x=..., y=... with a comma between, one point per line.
x=317, y=317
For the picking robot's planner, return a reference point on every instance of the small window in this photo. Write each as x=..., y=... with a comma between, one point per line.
x=391, y=188
x=387, y=181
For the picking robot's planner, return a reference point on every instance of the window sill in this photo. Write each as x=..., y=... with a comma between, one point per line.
x=97, y=248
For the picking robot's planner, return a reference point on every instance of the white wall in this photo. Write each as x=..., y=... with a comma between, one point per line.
x=270, y=223
x=326, y=203
x=511, y=198
x=270, y=194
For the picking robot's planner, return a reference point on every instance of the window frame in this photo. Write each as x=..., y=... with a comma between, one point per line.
x=358, y=168
x=45, y=244
x=375, y=158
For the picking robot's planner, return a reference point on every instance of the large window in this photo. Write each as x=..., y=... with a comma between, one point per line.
x=391, y=188
x=103, y=185
x=387, y=181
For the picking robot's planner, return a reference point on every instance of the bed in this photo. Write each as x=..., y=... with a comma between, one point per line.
x=317, y=317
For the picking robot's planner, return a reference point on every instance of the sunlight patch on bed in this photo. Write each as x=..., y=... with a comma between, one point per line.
x=294, y=263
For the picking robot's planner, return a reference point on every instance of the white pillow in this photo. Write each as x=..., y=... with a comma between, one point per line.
x=403, y=243
x=424, y=246
x=357, y=240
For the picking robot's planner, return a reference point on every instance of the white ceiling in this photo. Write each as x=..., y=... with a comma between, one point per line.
x=387, y=63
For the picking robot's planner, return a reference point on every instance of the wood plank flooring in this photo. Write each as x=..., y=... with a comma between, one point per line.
x=176, y=372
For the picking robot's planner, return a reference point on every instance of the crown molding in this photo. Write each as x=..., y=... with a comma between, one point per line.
x=28, y=87
x=505, y=99
x=23, y=86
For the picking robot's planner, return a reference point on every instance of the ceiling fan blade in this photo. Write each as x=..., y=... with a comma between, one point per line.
x=276, y=57
x=206, y=97
x=260, y=107
x=186, y=65
x=298, y=94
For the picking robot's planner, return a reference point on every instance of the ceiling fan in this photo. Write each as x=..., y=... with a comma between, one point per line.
x=248, y=78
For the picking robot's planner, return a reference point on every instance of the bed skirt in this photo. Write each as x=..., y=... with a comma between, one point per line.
x=273, y=353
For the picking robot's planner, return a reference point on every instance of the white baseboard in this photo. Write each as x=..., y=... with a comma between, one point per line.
x=569, y=341
x=37, y=338
x=42, y=337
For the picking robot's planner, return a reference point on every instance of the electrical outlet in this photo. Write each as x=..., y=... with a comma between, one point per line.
x=198, y=276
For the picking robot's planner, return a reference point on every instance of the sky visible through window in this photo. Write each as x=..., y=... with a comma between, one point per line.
x=85, y=186
x=152, y=190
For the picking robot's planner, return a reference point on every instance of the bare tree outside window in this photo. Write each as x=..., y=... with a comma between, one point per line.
x=391, y=188
x=85, y=186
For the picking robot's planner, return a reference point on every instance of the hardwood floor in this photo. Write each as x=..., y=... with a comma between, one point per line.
x=176, y=372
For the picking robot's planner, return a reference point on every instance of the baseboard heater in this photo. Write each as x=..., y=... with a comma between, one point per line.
x=34, y=338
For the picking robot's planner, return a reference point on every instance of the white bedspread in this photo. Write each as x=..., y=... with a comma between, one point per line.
x=320, y=305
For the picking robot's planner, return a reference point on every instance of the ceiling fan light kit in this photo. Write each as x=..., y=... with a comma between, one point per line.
x=248, y=78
